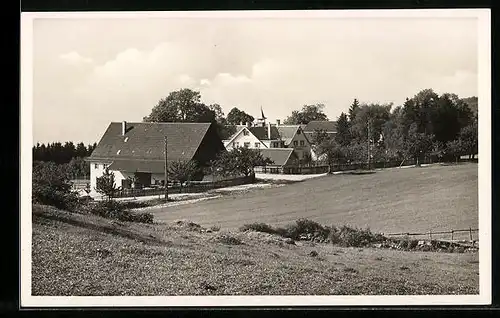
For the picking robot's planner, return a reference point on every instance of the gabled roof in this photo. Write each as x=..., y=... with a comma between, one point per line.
x=145, y=141
x=148, y=166
x=287, y=132
x=280, y=156
x=328, y=126
x=237, y=128
x=261, y=132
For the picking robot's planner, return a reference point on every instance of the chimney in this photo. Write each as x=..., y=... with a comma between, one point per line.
x=269, y=131
x=277, y=122
x=249, y=124
x=124, y=128
x=241, y=123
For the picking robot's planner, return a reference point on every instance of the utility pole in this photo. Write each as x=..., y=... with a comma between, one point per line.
x=369, y=142
x=166, y=173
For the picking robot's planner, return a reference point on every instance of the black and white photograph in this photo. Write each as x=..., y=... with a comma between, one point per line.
x=256, y=158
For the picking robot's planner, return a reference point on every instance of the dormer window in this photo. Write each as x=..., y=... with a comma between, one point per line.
x=245, y=132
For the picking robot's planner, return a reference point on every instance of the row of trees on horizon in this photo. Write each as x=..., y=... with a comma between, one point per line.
x=68, y=156
x=427, y=124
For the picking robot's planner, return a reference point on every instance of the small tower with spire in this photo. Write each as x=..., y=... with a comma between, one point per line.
x=262, y=120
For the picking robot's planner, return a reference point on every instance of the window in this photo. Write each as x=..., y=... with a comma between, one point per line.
x=302, y=142
x=257, y=145
x=246, y=145
x=96, y=166
x=298, y=132
x=237, y=144
x=245, y=132
x=295, y=143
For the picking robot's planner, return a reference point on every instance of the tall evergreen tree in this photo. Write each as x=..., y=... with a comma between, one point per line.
x=353, y=109
x=343, y=135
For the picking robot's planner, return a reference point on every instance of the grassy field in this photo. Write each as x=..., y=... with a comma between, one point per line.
x=392, y=200
x=87, y=255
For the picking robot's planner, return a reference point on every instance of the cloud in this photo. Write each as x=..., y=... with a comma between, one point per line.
x=75, y=58
x=279, y=65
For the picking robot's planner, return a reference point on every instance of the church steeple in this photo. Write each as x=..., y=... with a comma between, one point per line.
x=262, y=119
x=262, y=114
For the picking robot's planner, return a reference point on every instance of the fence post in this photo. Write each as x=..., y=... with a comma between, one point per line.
x=470, y=233
x=452, y=235
x=430, y=235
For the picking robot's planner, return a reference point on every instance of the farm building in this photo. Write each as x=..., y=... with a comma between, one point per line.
x=330, y=127
x=264, y=135
x=138, y=150
x=284, y=160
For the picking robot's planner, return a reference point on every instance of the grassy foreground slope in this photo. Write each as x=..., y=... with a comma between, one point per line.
x=88, y=255
x=438, y=198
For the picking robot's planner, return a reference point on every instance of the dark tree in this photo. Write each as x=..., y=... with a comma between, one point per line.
x=343, y=135
x=353, y=109
x=52, y=186
x=239, y=161
x=182, y=171
x=236, y=116
x=306, y=114
x=181, y=106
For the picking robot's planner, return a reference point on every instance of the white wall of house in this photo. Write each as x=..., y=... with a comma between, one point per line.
x=245, y=137
x=158, y=177
x=96, y=171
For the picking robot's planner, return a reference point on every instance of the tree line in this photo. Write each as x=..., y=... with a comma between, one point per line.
x=68, y=157
x=427, y=127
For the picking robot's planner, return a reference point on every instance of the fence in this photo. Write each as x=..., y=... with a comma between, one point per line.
x=454, y=234
x=193, y=187
x=323, y=167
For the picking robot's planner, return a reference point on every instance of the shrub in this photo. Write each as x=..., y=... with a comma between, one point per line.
x=215, y=228
x=106, y=185
x=354, y=237
x=142, y=217
x=308, y=228
x=51, y=186
x=229, y=240
x=116, y=210
x=135, y=204
x=258, y=227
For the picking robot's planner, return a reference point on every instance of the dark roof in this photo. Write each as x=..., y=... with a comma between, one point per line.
x=287, y=132
x=280, y=156
x=145, y=141
x=151, y=166
x=228, y=136
x=328, y=126
x=261, y=132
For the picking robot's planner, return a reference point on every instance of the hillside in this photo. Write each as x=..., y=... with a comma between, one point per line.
x=438, y=198
x=77, y=254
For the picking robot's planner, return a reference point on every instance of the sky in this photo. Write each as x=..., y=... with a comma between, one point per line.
x=90, y=72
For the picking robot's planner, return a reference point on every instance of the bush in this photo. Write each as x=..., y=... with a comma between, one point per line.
x=51, y=186
x=306, y=228
x=354, y=237
x=116, y=210
x=258, y=227
x=228, y=240
x=310, y=230
x=135, y=204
